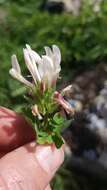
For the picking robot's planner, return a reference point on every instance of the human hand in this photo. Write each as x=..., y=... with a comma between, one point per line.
x=23, y=164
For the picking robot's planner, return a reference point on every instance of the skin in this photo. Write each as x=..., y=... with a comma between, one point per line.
x=23, y=164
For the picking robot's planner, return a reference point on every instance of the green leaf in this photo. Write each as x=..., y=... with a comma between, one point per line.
x=41, y=140
x=49, y=139
x=57, y=140
x=58, y=119
x=42, y=134
x=44, y=138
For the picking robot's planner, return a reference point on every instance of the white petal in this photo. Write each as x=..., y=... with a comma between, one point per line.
x=47, y=61
x=36, y=57
x=33, y=62
x=55, y=75
x=51, y=73
x=34, y=54
x=57, y=54
x=48, y=69
x=41, y=70
x=57, y=71
x=15, y=63
x=48, y=51
x=19, y=77
x=29, y=65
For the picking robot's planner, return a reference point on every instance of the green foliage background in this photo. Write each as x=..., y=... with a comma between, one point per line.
x=82, y=40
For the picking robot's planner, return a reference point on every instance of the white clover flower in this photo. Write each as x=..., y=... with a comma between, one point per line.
x=15, y=71
x=44, y=69
x=54, y=57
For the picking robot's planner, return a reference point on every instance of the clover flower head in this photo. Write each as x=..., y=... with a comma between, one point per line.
x=43, y=69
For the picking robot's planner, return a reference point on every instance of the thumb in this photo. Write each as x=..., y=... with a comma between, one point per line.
x=30, y=167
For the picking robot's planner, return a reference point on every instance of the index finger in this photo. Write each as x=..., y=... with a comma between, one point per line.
x=14, y=130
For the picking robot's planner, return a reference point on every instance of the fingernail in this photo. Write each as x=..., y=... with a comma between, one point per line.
x=49, y=158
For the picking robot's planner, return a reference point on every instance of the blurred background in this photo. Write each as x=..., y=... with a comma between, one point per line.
x=79, y=28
